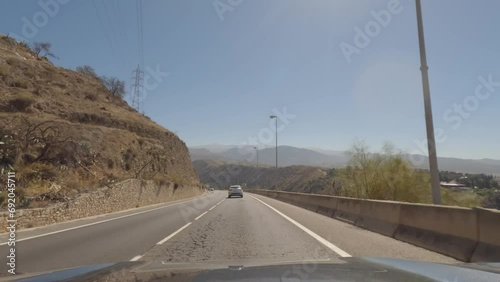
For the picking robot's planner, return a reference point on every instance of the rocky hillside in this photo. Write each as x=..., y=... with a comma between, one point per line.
x=305, y=179
x=64, y=133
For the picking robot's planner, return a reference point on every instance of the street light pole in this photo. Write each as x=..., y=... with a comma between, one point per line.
x=257, y=150
x=257, y=179
x=431, y=143
x=276, y=118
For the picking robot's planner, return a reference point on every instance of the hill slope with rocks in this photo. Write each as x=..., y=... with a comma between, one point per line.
x=65, y=133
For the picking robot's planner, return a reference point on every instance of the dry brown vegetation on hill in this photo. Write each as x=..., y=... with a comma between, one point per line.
x=64, y=132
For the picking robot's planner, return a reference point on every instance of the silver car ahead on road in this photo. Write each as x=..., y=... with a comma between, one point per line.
x=235, y=190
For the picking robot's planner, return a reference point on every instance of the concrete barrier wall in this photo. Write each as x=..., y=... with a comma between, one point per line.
x=306, y=201
x=488, y=247
x=379, y=216
x=447, y=230
x=272, y=194
x=348, y=209
x=327, y=205
x=462, y=233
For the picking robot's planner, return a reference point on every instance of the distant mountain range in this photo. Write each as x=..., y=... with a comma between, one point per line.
x=288, y=156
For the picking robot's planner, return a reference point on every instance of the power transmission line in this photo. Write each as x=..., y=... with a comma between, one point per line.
x=140, y=31
x=103, y=26
x=137, y=84
x=117, y=11
x=108, y=34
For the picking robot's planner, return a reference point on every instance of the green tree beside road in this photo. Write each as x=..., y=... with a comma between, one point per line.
x=387, y=175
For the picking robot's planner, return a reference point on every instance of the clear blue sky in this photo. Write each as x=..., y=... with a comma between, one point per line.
x=229, y=70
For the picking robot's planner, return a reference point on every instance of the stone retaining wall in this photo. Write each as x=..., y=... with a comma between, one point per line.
x=128, y=194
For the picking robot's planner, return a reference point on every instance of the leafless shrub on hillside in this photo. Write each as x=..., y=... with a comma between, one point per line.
x=89, y=71
x=50, y=142
x=42, y=50
x=25, y=45
x=114, y=85
x=40, y=141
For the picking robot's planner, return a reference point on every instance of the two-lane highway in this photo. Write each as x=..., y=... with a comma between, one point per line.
x=110, y=238
x=211, y=228
x=256, y=228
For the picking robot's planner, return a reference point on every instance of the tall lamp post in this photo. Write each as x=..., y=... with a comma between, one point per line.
x=257, y=179
x=276, y=118
x=431, y=143
x=257, y=150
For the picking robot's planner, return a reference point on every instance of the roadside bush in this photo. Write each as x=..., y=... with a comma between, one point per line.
x=467, y=199
x=383, y=176
x=492, y=200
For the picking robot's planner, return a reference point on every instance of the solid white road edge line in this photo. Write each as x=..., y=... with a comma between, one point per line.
x=173, y=234
x=322, y=240
x=143, y=208
x=198, y=217
x=94, y=223
x=136, y=258
x=212, y=208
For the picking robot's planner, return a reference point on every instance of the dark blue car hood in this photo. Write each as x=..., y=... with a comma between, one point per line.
x=344, y=269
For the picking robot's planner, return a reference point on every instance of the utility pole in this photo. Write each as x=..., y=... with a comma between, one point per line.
x=257, y=150
x=276, y=184
x=431, y=143
x=137, y=84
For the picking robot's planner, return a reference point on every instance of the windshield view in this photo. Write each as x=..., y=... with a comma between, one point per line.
x=249, y=140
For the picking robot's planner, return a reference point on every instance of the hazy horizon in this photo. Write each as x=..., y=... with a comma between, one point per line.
x=320, y=149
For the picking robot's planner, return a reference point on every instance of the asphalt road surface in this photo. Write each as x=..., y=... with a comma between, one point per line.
x=207, y=229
